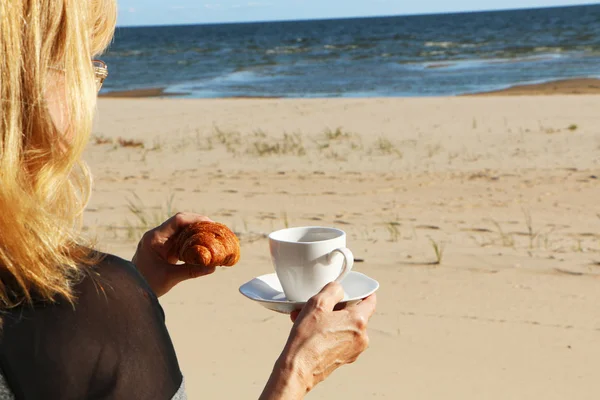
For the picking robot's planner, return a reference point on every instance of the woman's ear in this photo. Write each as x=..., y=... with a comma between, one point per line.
x=56, y=101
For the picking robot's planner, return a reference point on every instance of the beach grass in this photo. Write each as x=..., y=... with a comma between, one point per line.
x=438, y=250
x=506, y=239
x=145, y=218
x=393, y=231
x=385, y=147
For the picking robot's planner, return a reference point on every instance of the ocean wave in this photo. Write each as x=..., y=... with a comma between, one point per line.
x=444, y=45
x=341, y=47
x=322, y=57
x=361, y=56
x=452, y=45
x=220, y=82
x=523, y=59
x=478, y=63
x=238, y=77
x=217, y=85
x=256, y=68
x=202, y=50
x=502, y=55
x=434, y=53
x=524, y=51
x=351, y=46
x=287, y=50
x=438, y=65
x=567, y=49
x=546, y=49
x=127, y=53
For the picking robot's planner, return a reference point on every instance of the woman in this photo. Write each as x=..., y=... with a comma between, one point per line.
x=77, y=324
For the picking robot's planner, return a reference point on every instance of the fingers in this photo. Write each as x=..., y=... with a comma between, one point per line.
x=294, y=315
x=170, y=228
x=179, y=221
x=327, y=299
x=366, y=308
x=180, y=273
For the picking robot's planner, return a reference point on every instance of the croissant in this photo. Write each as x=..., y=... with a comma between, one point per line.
x=209, y=244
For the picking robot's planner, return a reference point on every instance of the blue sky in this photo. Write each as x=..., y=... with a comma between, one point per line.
x=166, y=12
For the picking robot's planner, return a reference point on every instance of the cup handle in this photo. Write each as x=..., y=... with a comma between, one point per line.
x=348, y=261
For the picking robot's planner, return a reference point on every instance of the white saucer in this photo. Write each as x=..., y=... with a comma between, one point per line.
x=266, y=290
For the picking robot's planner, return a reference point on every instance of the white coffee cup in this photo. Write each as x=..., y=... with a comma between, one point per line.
x=306, y=259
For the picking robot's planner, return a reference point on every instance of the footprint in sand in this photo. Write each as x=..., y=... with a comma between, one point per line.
x=428, y=227
x=567, y=272
x=252, y=194
x=227, y=213
x=340, y=222
x=588, y=235
x=477, y=230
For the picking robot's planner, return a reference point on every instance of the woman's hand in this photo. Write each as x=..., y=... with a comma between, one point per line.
x=156, y=256
x=322, y=340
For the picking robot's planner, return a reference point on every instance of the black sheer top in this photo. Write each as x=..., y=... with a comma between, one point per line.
x=112, y=345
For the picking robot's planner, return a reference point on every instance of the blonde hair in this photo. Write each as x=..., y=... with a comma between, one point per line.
x=44, y=185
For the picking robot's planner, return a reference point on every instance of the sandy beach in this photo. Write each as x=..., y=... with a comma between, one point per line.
x=507, y=186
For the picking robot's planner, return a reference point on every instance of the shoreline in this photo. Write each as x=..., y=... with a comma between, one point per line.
x=575, y=86
x=161, y=92
x=141, y=93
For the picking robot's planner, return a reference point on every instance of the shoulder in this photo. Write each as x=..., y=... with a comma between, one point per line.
x=112, y=287
x=112, y=340
x=117, y=271
x=114, y=277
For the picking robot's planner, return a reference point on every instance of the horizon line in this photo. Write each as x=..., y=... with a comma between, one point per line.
x=497, y=10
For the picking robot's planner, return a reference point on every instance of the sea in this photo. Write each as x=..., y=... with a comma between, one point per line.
x=407, y=56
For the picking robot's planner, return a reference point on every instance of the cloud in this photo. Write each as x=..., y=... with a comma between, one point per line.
x=218, y=6
x=258, y=4
x=131, y=10
x=213, y=6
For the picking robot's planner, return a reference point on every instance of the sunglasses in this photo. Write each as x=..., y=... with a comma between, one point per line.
x=100, y=71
